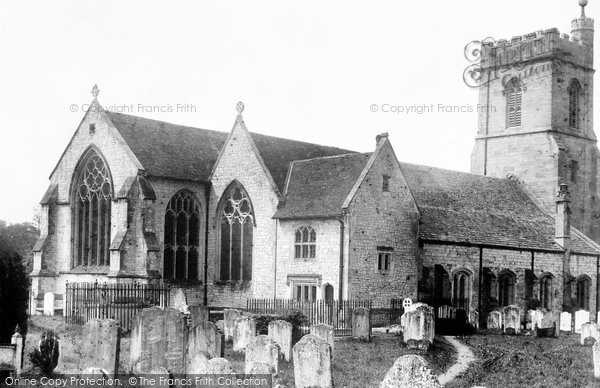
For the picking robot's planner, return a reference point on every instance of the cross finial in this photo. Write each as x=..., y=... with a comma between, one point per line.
x=583, y=3
x=95, y=92
x=239, y=107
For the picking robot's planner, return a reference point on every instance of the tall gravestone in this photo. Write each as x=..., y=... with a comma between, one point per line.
x=180, y=301
x=494, y=320
x=326, y=332
x=205, y=337
x=361, y=323
x=281, y=332
x=566, y=321
x=100, y=345
x=511, y=316
x=49, y=303
x=159, y=340
x=313, y=362
x=262, y=350
x=581, y=317
x=419, y=324
x=229, y=317
x=244, y=329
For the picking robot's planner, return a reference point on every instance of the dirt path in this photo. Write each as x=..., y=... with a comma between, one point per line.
x=465, y=357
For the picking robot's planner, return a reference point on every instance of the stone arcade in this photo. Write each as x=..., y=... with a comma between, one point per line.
x=238, y=215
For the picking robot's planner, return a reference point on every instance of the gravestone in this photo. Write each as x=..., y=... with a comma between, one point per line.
x=536, y=317
x=229, y=317
x=281, y=332
x=581, y=317
x=550, y=319
x=511, y=316
x=205, y=337
x=49, y=303
x=244, y=329
x=158, y=340
x=411, y=307
x=198, y=314
x=219, y=366
x=410, y=371
x=324, y=331
x=566, y=321
x=589, y=333
x=313, y=362
x=596, y=358
x=262, y=350
x=180, y=301
x=198, y=365
x=494, y=320
x=361, y=323
x=474, y=318
x=100, y=345
x=419, y=324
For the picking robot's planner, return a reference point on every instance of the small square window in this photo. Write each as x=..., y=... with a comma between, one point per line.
x=384, y=258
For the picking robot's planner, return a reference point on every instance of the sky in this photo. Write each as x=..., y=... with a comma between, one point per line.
x=328, y=72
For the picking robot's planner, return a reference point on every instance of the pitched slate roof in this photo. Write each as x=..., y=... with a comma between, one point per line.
x=468, y=208
x=176, y=151
x=318, y=187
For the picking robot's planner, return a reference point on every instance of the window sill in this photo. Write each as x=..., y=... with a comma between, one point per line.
x=94, y=269
x=183, y=282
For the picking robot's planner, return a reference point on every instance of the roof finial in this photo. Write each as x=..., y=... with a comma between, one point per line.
x=239, y=107
x=583, y=3
x=95, y=92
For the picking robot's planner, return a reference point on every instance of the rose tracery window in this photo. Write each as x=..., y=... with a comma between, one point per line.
x=237, y=224
x=182, y=237
x=305, y=243
x=91, y=212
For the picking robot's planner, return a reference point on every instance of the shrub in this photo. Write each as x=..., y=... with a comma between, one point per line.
x=14, y=294
x=45, y=357
x=295, y=317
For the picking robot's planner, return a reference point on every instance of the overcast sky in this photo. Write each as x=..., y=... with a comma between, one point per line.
x=307, y=70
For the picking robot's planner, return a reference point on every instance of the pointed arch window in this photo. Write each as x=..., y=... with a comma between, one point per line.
x=92, y=193
x=514, y=99
x=574, y=103
x=182, y=237
x=583, y=292
x=506, y=288
x=546, y=291
x=462, y=289
x=236, y=234
x=305, y=243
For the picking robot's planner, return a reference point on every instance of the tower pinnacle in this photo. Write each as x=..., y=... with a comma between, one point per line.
x=583, y=3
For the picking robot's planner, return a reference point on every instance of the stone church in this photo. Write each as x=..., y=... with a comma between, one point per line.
x=231, y=216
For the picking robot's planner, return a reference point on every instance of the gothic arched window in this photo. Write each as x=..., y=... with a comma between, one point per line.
x=305, y=243
x=546, y=291
x=462, y=289
x=506, y=288
x=514, y=99
x=583, y=292
x=92, y=193
x=574, y=107
x=236, y=228
x=182, y=237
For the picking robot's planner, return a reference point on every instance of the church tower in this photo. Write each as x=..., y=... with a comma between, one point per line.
x=535, y=117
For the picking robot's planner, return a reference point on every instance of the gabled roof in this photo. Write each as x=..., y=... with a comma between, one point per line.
x=318, y=187
x=176, y=151
x=467, y=208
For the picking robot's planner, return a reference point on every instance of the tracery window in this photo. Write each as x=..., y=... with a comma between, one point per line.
x=514, y=99
x=237, y=225
x=92, y=194
x=462, y=289
x=574, y=107
x=305, y=243
x=182, y=237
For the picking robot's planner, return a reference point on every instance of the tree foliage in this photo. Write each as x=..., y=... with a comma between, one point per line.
x=19, y=238
x=14, y=293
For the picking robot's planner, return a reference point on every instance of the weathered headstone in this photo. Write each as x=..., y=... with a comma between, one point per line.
x=49, y=303
x=281, y=332
x=229, y=316
x=596, y=357
x=550, y=319
x=262, y=350
x=420, y=324
x=100, y=345
x=511, y=316
x=198, y=365
x=159, y=340
x=326, y=332
x=219, y=366
x=180, y=301
x=474, y=318
x=536, y=317
x=361, y=323
x=581, y=317
x=589, y=333
x=198, y=314
x=566, y=321
x=313, y=362
x=205, y=337
x=244, y=329
x=410, y=371
x=494, y=320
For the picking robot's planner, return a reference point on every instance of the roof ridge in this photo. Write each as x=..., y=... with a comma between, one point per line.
x=456, y=171
x=334, y=156
x=165, y=122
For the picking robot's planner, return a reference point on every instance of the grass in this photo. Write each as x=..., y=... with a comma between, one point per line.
x=525, y=361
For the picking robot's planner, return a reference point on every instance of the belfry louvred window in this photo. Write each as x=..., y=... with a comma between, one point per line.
x=514, y=99
x=574, y=107
x=182, y=237
x=236, y=230
x=92, y=194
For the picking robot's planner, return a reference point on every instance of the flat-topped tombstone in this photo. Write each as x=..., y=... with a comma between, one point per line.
x=566, y=321
x=589, y=333
x=262, y=350
x=494, y=320
x=158, y=340
x=420, y=324
x=198, y=365
x=326, y=332
x=581, y=317
x=281, y=332
x=511, y=316
x=229, y=317
x=100, y=345
x=361, y=323
x=198, y=314
x=219, y=366
x=49, y=303
x=410, y=371
x=244, y=329
x=313, y=362
x=205, y=337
